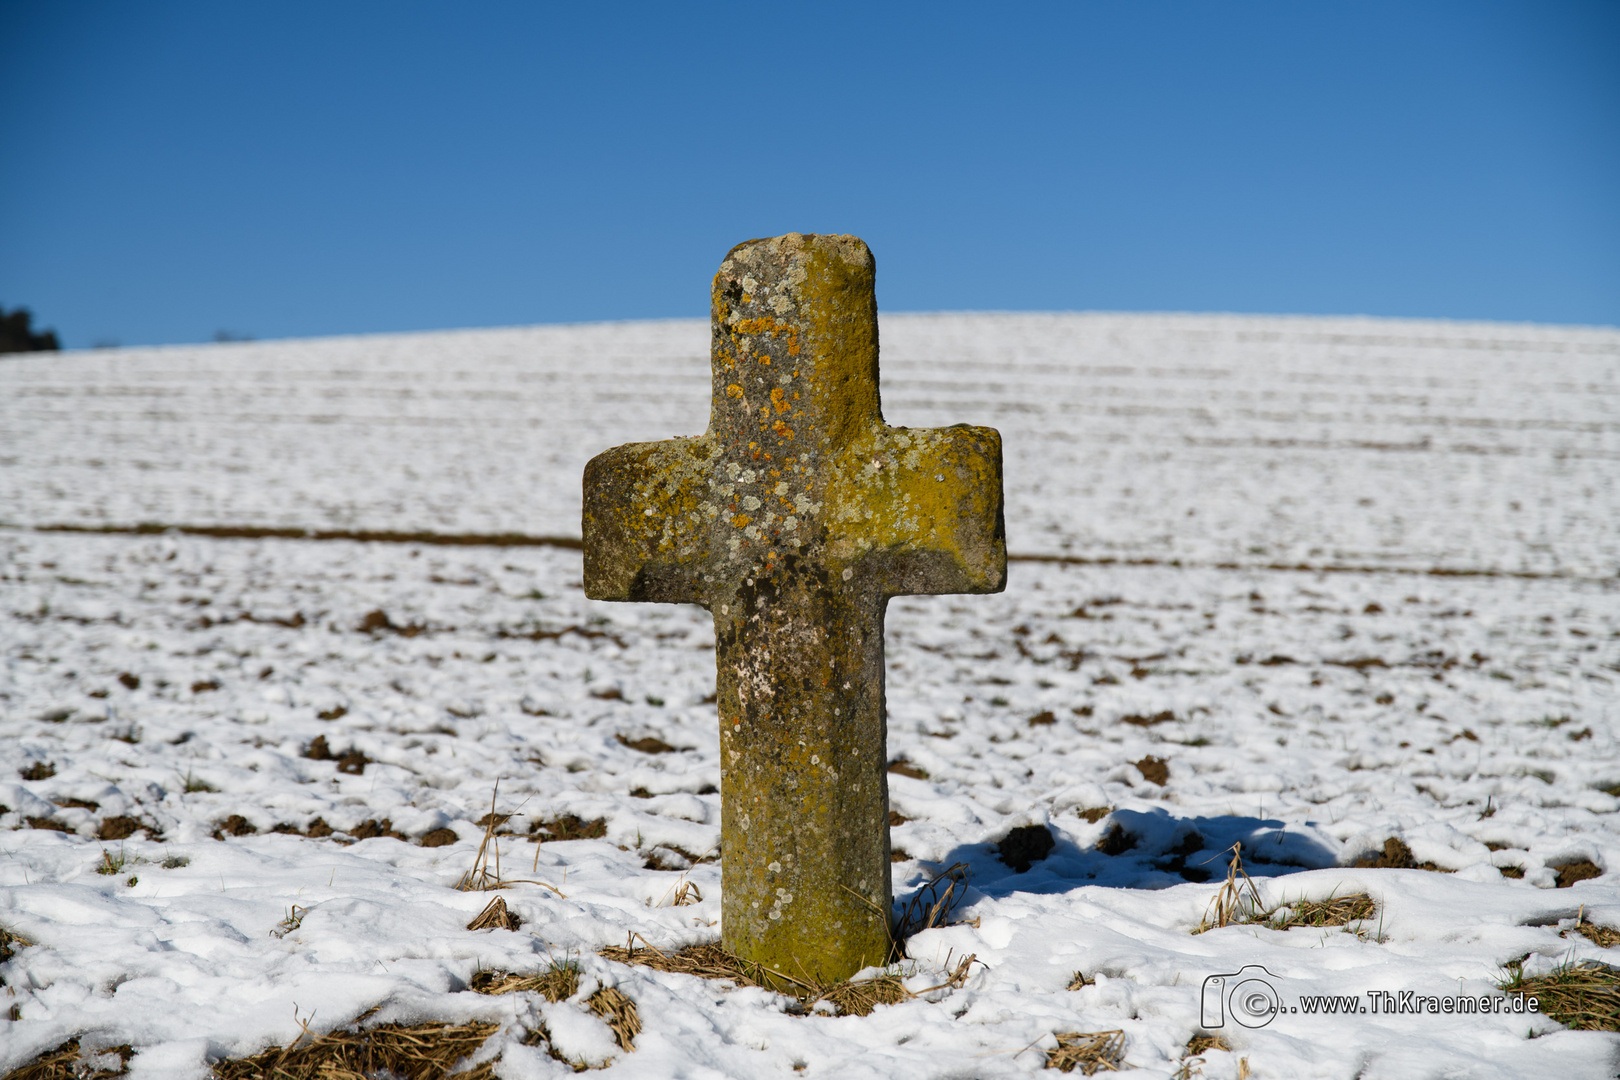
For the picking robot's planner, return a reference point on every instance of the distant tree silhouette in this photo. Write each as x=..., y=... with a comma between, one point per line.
x=17, y=333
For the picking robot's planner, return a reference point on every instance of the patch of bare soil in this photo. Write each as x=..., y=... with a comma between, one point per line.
x=1396, y=856
x=1580, y=870
x=1025, y=846
x=648, y=745
x=351, y=761
x=902, y=767
x=568, y=827
x=1154, y=770
x=1136, y=720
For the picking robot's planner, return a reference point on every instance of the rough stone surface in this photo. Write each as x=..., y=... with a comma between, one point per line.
x=794, y=519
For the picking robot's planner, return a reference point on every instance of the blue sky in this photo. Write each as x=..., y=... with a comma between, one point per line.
x=287, y=169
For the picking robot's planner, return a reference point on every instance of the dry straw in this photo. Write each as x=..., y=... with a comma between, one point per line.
x=1090, y=1052
x=1237, y=901
x=1584, y=995
x=406, y=1051
x=851, y=997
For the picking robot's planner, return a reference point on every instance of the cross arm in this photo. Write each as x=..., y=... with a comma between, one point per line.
x=925, y=505
x=646, y=521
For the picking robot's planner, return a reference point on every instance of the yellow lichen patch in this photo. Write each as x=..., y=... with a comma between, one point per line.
x=739, y=520
x=779, y=400
x=734, y=391
x=934, y=491
x=782, y=430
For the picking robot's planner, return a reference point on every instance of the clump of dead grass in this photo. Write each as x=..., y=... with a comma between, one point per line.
x=1604, y=937
x=1349, y=910
x=1584, y=995
x=1090, y=1052
x=930, y=906
x=850, y=997
x=412, y=1051
x=619, y=1013
x=481, y=878
x=558, y=983
x=1237, y=902
x=67, y=1062
x=495, y=916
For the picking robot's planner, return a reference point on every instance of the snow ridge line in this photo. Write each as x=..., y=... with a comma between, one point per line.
x=573, y=543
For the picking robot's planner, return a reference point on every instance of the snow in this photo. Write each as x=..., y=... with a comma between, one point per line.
x=1185, y=465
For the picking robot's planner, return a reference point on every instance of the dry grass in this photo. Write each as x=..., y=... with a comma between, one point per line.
x=67, y=1063
x=931, y=905
x=495, y=916
x=481, y=878
x=406, y=1051
x=1090, y=1052
x=1604, y=937
x=1584, y=996
x=1236, y=901
x=1345, y=911
x=558, y=984
x=851, y=997
x=619, y=1013
x=7, y=940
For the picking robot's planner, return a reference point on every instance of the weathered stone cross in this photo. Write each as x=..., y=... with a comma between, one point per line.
x=793, y=520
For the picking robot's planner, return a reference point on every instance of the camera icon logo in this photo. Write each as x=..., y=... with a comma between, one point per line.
x=1243, y=994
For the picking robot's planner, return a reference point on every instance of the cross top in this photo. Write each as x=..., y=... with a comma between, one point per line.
x=793, y=519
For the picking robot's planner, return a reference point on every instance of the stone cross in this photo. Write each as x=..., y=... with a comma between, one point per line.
x=793, y=520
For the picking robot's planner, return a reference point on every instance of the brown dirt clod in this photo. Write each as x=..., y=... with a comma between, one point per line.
x=1024, y=846
x=439, y=838
x=1396, y=856
x=902, y=767
x=648, y=745
x=1137, y=720
x=1116, y=841
x=1154, y=770
x=235, y=825
x=568, y=827
x=1043, y=719
x=39, y=770
x=117, y=828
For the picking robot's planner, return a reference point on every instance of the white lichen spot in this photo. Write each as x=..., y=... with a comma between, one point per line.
x=780, y=489
x=748, y=476
x=790, y=523
x=752, y=532
x=848, y=573
x=748, y=502
x=781, y=304
x=749, y=283
x=732, y=469
x=774, y=867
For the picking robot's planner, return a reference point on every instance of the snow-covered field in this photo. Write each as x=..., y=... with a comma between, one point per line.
x=1186, y=466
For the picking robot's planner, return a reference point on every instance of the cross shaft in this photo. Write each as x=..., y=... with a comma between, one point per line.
x=793, y=520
